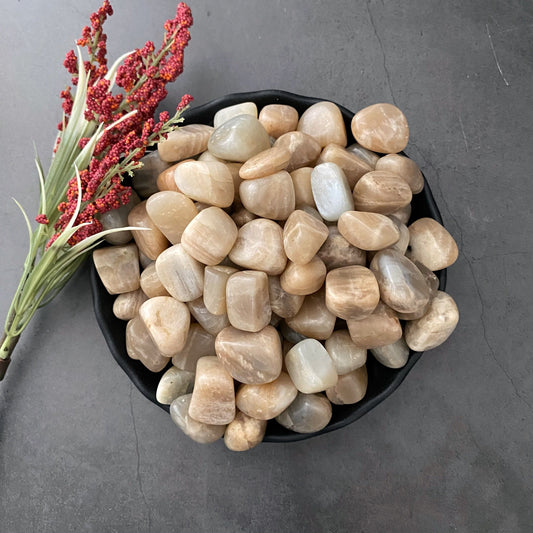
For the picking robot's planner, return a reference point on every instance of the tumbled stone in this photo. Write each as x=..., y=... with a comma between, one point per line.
x=301, y=181
x=118, y=218
x=150, y=282
x=215, y=279
x=242, y=216
x=404, y=167
x=393, y=355
x=244, y=433
x=435, y=326
x=324, y=122
x=351, y=292
x=268, y=400
x=290, y=335
x=144, y=260
x=311, y=211
x=238, y=139
x=369, y=157
x=282, y=303
x=213, y=324
x=353, y=167
x=173, y=384
x=206, y=181
x=126, y=305
x=310, y=367
x=166, y=181
x=331, y=191
x=247, y=300
x=431, y=279
x=402, y=243
x=181, y=274
x=346, y=356
x=144, y=179
x=382, y=192
x=118, y=268
x=210, y=236
x=234, y=169
x=199, y=343
x=303, y=148
x=278, y=119
x=380, y=328
x=303, y=279
x=167, y=321
x=303, y=235
x=368, y=231
x=171, y=212
x=338, y=252
x=208, y=156
x=401, y=284
x=184, y=142
x=213, y=396
x=350, y=388
x=269, y=197
x=197, y=431
x=308, y=413
x=259, y=246
x=227, y=113
x=403, y=214
x=150, y=241
x=381, y=128
x=250, y=357
x=431, y=244
x=314, y=319
x=139, y=345
x=265, y=163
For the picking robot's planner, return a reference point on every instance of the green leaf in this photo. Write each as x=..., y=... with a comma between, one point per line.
x=28, y=225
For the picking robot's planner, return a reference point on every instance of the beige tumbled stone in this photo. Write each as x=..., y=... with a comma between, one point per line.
x=346, y=355
x=350, y=388
x=118, y=218
x=213, y=396
x=338, y=252
x=227, y=113
x=431, y=279
x=435, y=326
x=242, y=216
x=244, y=432
x=304, y=149
x=171, y=212
x=197, y=431
x=247, y=300
x=382, y=192
x=265, y=163
x=403, y=214
x=314, y=319
x=126, y=305
x=139, y=345
x=206, y=181
x=250, y=357
x=215, y=280
x=402, y=243
x=303, y=235
x=150, y=240
x=199, y=343
x=353, y=167
x=393, y=355
x=308, y=413
x=368, y=156
x=184, y=142
x=213, y=324
x=282, y=303
x=208, y=156
x=144, y=260
x=380, y=328
x=303, y=279
x=368, y=231
x=166, y=181
x=278, y=119
x=118, y=268
x=301, y=181
x=269, y=197
x=259, y=246
x=173, y=384
x=431, y=244
x=404, y=167
x=324, y=122
x=150, y=282
x=144, y=179
x=381, y=128
x=181, y=274
x=234, y=169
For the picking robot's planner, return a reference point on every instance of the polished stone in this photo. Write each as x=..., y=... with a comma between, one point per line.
x=126, y=305
x=303, y=279
x=393, y=355
x=150, y=241
x=353, y=166
x=166, y=181
x=402, y=243
x=118, y=268
x=368, y=156
x=215, y=280
x=173, y=384
x=308, y=413
x=199, y=343
x=139, y=345
x=324, y=122
x=244, y=432
x=403, y=214
x=118, y=218
x=242, y=216
x=150, y=282
x=346, y=355
x=382, y=192
x=303, y=235
x=368, y=231
x=227, y=113
x=184, y=142
x=265, y=163
x=338, y=252
x=350, y=388
x=314, y=319
x=282, y=303
x=301, y=181
x=331, y=191
x=404, y=167
x=278, y=119
x=213, y=324
x=144, y=179
x=303, y=148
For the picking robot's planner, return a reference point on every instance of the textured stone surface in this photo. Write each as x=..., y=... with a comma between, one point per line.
x=139, y=345
x=213, y=324
x=150, y=241
x=118, y=268
x=306, y=414
x=244, y=432
x=303, y=235
x=301, y=181
x=303, y=279
x=126, y=305
x=187, y=141
x=382, y=192
x=173, y=384
x=368, y=156
x=404, y=167
x=278, y=119
x=265, y=163
x=199, y=343
x=346, y=355
x=215, y=280
x=283, y=303
x=323, y=121
x=353, y=166
x=368, y=231
x=350, y=388
x=150, y=283
x=303, y=148
x=338, y=252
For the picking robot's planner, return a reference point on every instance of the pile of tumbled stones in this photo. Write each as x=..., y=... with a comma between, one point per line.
x=266, y=267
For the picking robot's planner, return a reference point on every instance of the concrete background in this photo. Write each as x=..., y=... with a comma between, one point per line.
x=81, y=450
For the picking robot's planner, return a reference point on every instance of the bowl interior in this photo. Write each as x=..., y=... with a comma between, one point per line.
x=382, y=381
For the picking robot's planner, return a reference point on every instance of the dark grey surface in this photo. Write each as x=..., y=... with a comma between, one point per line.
x=80, y=450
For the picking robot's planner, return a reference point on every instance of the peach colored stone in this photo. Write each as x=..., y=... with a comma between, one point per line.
x=244, y=433
x=118, y=268
x=404, y=167
x=303, y=279
x=184, y=142
x=199, y=343
x=265, y=163
x=324, y=122
x=150, y=282
x=338, y=252
x=139, y=345
x=301, y=181
x=150, y=241
x=382, y=192
x=350, y=388
x=346, y=356
x=165, y=180
x=368, y=231
x=282, y=303
x=314, y=319
x=304, y=149
x=303, y=235
x=126, y=305
x=215, y=280
x=353, y=167
x=278, y=119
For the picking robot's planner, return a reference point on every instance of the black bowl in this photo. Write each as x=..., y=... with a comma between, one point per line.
x=382, y=381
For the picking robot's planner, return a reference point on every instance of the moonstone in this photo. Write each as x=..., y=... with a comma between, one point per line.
x=118, y=268
x=213, y=324
x=268, y=400
x=303, y=148
x=206, y=181
x=382, y=192
x=352, y=166
x=308, y=413
x=126, y=305
x=226, y=113
x=314, y=319
x=346, y=356
x=310, y=367
x=265, y=163
x=368, y=231
x=283, y=303
x=303, y=279
x=244, y=433
x=250, y=357
x=404, y=167
x=215, y=280
x=301, y=181
x=199, y=343
x=198, y=432
x=324, y=122
x=166, y=181
x=393, y=355
x=181, y=274
x=259, y=246
x=338, y=252
x=242, y=216
x=247, y=300
x=402, y=243
x=150, y=282
x=173, y=384
x=369, y=157
x=118, y=218
x=403, y=214
x=269, y=197
x=150, y=241
x=167, y=321
x=351, y=292
x=431, y=244
x=213, y=396
x=171, y=211
x=402, y=285
x=278, y=119
x=350, y=388
x=184, y=142
x=290, y=335
x=144, y=179
x=238, y=139
x=303, y=235
x=381, y=128
x=139, y=345
x=435, y=326
x=331, y=191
